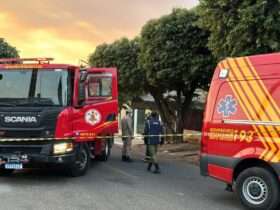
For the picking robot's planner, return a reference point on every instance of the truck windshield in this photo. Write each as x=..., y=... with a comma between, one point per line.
x=43, y=87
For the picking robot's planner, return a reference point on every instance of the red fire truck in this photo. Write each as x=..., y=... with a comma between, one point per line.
x=55, y=114
x=241, y=131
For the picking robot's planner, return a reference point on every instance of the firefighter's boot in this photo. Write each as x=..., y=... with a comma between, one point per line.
x=157, y=170
x=124, y=158
x=128, y=159
x=149, y=167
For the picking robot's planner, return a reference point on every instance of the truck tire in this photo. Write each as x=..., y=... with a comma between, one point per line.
x=81, y=164
x=6, y=172
x=258, y=189
x=105, y=154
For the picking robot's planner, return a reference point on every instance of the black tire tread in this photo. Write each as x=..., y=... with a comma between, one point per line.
x=73, y=171
x=273, y=185
x=103, y=157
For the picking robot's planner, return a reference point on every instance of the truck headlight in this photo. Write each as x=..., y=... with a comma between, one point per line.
x=61, y=148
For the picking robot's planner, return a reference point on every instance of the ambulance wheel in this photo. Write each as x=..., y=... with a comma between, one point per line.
x=81, y=164
x=258, y=189
x=6, y=172
x=105, y=154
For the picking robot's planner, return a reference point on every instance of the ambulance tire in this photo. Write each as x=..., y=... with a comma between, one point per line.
x=81, y=164
x=6, y=172
x=258, y=189
x=105, y=154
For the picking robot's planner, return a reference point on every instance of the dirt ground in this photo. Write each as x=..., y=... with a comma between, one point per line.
x=181, y=152
x=188, y=150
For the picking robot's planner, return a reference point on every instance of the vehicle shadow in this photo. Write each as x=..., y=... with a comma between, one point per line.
x=41, y=176
x=228, y=199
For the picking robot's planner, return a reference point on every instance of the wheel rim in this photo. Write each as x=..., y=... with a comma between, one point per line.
x=255, y=190
x=82, y=159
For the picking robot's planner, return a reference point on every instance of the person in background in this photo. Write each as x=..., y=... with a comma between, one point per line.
x=127, y=133
x=147, y=156
x=153, y=129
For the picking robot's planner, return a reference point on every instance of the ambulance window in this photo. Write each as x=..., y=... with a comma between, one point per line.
x=99, y=85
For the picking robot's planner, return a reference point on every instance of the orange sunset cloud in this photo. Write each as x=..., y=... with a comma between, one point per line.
x=69, y=30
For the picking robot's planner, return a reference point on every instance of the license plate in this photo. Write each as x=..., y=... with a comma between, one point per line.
x=16, y=166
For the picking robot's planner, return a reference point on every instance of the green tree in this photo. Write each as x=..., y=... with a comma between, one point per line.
x=241, y=27
x=175, y=58
x=6, y=50
x=122, y=54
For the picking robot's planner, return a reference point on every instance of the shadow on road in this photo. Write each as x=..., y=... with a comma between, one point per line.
x=227, y=198
x=40, y=176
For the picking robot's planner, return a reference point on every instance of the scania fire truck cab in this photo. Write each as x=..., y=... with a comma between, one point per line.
x=55, y=114
x=241, y=129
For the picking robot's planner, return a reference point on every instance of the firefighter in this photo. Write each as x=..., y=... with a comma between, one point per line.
x=126, y=124
x=147, y=156
x=153, y=130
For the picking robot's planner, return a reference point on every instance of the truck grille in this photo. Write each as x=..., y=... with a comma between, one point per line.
x=22, y=134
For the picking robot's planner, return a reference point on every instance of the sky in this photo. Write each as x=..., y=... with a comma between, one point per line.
x=69, y=30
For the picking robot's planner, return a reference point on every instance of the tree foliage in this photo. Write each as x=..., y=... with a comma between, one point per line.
x=241, y=27
x=175, y=57
x=122, y=54
x=171, y=55
x=6, y=50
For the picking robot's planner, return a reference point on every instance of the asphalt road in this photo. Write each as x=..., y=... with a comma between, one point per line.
x=115, y=185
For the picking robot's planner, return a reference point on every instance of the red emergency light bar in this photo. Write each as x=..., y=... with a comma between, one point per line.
x=22, y=60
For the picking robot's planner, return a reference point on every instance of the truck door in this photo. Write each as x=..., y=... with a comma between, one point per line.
x=98, y=114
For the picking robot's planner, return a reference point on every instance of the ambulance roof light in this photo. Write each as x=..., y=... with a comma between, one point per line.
x=223, y=73
x=22, y=60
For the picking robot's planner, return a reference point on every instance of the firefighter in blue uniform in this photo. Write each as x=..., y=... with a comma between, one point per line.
x=153, y=130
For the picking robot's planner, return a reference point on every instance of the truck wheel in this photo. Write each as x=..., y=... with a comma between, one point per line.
x=105, y=154
x=6, y=172
x=258, y=189
x=81, y=164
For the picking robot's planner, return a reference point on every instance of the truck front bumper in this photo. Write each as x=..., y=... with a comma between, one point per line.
x=34, y=154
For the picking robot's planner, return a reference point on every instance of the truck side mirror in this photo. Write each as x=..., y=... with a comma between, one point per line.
x=83, y=76
x=82, y=93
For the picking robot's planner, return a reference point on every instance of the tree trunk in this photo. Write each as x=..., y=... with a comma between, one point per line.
x=167, y=116
x=167, y=119
x=179, y=117
x=173, y=118
x=186, y=104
